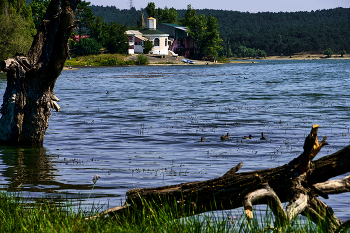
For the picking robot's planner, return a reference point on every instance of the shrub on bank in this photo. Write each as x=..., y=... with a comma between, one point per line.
x=142, y=60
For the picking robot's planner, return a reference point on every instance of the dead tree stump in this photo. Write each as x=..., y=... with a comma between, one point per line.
x=29, y=95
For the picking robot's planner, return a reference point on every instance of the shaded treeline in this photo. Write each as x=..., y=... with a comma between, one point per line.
x=276, y=33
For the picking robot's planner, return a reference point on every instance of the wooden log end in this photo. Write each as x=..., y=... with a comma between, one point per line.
x=249, y=213
x=233, y=170
x=314, y=129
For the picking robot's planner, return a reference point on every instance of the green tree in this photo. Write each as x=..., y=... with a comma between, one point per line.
x=117, y=42
x=212, y=40
x=188, y=16
x=84, y=17
x=151, y=10
x=99, y=30
x=167, y=15
x=342, y=53
x=261, y=53
x=87, y=46
x=197, y=30
x=147, y=46
x=16, y=28
x=204, y=31
x=38, y=10
x=14, y=36
x=328, y=52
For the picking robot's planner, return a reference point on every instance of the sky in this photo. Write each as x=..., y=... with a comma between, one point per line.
x=252, y=6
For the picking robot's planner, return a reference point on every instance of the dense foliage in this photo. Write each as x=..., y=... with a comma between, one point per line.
x=165, y=15
x=38, y=10
x=87, y=46
x=204, y=31
x=117, y=41
x=147, y=46
x=275, y=33
x=16, y=28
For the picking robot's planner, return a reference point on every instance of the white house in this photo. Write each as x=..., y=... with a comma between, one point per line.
x=136, y=41
x=160, y=39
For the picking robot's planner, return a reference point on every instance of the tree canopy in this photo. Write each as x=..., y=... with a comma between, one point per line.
x=204, y=31
x=275, y=33
x=16, y=28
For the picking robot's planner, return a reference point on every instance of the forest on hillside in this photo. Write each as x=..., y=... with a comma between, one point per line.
x=279, y=33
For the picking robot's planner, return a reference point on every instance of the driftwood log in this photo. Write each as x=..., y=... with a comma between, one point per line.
x=299, y=183
x=29, y=95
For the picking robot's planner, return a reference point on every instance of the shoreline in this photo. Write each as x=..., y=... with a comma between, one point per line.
x=157, y=60
x=308, y=56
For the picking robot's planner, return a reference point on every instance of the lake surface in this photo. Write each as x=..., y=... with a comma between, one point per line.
x=145, y=132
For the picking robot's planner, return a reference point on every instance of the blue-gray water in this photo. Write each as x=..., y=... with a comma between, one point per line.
x=145, y=132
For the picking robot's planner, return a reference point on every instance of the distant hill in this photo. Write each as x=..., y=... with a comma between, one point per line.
x=276, y=33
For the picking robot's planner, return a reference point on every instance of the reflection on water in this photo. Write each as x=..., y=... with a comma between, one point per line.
x=145, y=132
x=26, y=167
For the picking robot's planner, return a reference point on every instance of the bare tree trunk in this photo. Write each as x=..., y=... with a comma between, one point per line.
x=29, y=95
x=299, y=182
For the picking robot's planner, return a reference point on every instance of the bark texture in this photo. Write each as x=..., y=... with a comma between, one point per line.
x=299, y=183
x=29, y=96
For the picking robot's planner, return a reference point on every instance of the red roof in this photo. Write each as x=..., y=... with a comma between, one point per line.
x=76, y=37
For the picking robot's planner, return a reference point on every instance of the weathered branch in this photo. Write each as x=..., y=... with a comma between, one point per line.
x=265, y=193
x=335, y=186
x=296, y=207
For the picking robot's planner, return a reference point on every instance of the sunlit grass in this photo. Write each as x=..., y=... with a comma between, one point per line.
x=99, y=60
x=17, y=215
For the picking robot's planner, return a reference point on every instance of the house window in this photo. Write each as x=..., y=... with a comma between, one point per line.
x=156, y=42
x=166, y=42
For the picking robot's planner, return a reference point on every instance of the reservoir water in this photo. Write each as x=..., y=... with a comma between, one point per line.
x=138, y=127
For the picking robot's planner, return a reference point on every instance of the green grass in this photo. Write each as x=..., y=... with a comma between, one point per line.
x=17, y=215
x=99, y=60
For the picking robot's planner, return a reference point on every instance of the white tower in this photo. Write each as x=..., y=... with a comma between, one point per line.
x=151, y=23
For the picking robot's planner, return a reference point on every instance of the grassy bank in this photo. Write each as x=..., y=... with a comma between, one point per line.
x=106, y=60
x=135, y=59
x=19, y=216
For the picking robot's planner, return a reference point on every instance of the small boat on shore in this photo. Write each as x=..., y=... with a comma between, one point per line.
x=187, y=61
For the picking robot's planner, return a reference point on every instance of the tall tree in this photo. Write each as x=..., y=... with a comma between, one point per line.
x=38, y=10
x=99, y=30
x=151, y=9
x=212, y=41
x=167, y=15
x=16, y=28
x=190, y=13
x=85, y=17
x=197, y=30
x=204, y=31
x=117, y=41
x=29, y=95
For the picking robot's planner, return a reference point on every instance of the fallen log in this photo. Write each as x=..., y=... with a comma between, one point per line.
x=299, y=183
